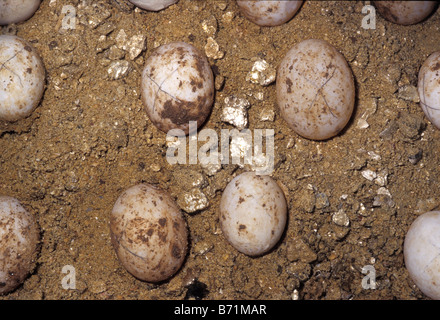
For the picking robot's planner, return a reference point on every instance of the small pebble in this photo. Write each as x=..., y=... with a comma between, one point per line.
x=262, y=73
x=118, y=69
x=212, y=49
x=340, y=218
x=192, y=201
x=315, y=90
x=408, y=93
x=368, y=174
x=210, y=26
x=267, y=114
x=235, y=112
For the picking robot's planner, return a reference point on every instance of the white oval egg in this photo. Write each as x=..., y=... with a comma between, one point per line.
x=148, y=233
x=269, y=13
x=177, y=87
x=429, y=88
x=253, y=213
x=405, y=12
x=422, y=253
x=19, y=235
x=153, y=5
x=22, y=78
x=315, y=90
x=15, y=11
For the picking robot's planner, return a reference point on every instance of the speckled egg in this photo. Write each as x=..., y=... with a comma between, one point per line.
x=148, y=233
x=422, y=253
x=22, y=78
x=15, y=11
x=405, y=12
x=315, y=90
x=269, y=13
x=253, y=213
x=429, y=88
x=153, y=5
x=19, y=235
x=177, y=87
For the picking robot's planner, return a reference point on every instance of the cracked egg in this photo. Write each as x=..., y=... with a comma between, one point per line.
x=315, y=90
x=22, y=78
x=148, y=233
x=177, y=87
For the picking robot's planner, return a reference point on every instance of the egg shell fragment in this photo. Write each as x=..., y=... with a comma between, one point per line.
x=269, y=13
x=19, y=236
x=253, y=213
x=429, y=88
x=148, y=233
x=315, y=90
x=22, y=78
x=405, y=12
x=422, y=253
x=15, y=11
x=177, y=87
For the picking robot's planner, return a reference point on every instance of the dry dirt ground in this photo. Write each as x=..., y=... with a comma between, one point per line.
x=351, y=199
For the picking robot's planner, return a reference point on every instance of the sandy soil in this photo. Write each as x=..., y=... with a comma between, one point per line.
x=90, y=139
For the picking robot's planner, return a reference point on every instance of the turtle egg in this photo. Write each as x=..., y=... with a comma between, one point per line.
x=177, y=87
x=405, y=12
x=19, y=235
x=253, y=213
x=429, y=88
x=315, y=90
x=422, y=253
x=269, y=13
x=153, y=5
x=148, y=233
x=15, y=11
x=22, y=78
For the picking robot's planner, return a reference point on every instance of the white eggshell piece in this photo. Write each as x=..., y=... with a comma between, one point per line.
x=15, y=11
x=429, y=88
x=148, y=233
x=153, y=5
x=422, y=253
x=253, y=213
x=405, y=12
x=19, y=236
x=269, y=13
x=22, y=78
x=177, y=87
x=315, y=90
